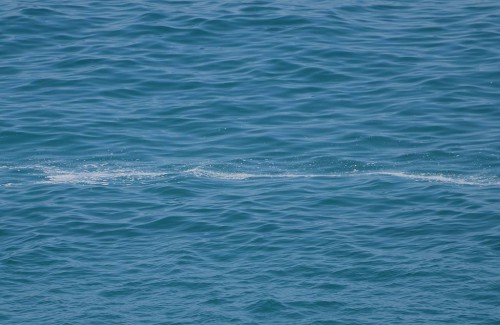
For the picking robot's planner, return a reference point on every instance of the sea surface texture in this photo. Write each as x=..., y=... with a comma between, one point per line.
x=250, y=162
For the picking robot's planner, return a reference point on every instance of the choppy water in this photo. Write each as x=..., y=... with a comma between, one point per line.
x=219, y=162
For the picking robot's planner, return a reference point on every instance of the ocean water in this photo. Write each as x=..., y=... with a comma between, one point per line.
x=253, y=162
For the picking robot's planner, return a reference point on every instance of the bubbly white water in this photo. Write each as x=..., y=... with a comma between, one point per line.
x=438, y=178
x=94, y=174
x=470, y=180
x=201, y=172
x=103, y=175
x=100, y=177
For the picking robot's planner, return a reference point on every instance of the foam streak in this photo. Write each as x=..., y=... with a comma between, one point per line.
x=438, y=178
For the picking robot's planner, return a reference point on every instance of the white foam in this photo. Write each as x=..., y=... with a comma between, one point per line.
x=472, y=180
x=201, y=172
x=95, y=177
x=224, y=175
x=438, y=178
x=103, y=175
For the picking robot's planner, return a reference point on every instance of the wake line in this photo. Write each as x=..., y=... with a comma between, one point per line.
x=438, y=178
x=199, y=172
x=98, y=177
x=103, y=176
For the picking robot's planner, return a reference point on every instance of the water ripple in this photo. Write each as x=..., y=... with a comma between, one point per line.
x=286, y=162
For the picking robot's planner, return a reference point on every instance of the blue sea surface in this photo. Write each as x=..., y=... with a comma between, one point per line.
x=250, y=162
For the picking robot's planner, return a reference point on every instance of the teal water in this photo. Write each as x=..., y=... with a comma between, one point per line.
x=220, y=162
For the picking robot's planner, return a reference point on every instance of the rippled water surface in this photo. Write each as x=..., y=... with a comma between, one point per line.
x=256, y=162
